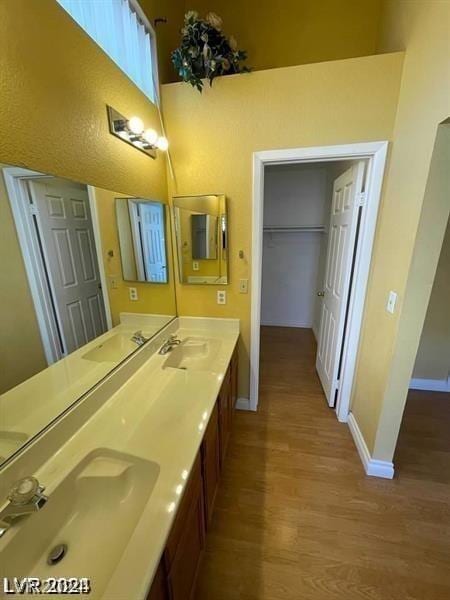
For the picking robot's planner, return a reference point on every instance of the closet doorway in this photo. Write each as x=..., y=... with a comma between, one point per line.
x=314, y=217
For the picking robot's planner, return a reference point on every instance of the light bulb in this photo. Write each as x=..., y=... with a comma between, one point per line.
x=136, y=125
x=150, y=136
x=162, y=143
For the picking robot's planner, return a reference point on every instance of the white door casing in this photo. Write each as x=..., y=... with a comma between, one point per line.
x=66, y=232
x=375, y=153
x=347, y=190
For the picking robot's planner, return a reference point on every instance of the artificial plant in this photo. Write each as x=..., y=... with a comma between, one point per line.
x=205, y=52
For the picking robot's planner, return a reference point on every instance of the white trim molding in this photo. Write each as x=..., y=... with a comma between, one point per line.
x=296, y=324
x=375, y=153
x=15, y=182
x=372, y=467
x=243, y=404
x=430, y=385
x=98, y=247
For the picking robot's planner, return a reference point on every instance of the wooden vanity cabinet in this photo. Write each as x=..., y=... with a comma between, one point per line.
x=177, y=571
x=186, y=539
x=226, y=404
x=233, y=383
x=159, y=590
x=223, y=403
x=210, y=453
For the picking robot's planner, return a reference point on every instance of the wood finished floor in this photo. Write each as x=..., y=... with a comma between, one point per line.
x=295, y=516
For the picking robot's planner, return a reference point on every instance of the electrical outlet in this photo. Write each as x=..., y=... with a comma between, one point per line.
x=195, y=265
x=221, y=297
x=132, y=291
x=392, y=299
x=243, y=286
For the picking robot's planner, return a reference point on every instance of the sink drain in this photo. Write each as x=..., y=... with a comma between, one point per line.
x=57, y=554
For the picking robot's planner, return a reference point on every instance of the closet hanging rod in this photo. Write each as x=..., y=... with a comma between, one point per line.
x=294, y=228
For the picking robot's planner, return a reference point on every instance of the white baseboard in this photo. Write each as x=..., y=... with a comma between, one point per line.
x=299, y=324
x=243, y=404
x=372, y=467
x=430, y=385
x=316, y=333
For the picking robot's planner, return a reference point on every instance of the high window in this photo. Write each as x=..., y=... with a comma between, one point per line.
x=121, y=30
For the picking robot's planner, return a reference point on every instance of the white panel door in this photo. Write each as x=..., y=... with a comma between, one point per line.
x=67, y=241
x=153, y=241
x=347, y=190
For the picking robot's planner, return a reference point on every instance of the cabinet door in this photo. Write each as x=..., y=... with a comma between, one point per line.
x=224, y=417
x=233, y=384
x=183, y=573
x=191, y=492
x=186, y=539
x=159, y=590
x=211, y=462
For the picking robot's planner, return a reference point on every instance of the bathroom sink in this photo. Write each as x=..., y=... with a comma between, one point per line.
x=114, y=349
x=194, y=354
x=88, y=519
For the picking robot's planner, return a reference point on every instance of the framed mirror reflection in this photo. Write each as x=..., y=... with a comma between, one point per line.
x=69, y=314
x=201, y=229
x=141, y=225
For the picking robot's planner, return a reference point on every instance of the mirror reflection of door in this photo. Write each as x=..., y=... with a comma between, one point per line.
x=141, y=228
x=65, y=237
x=204, y=237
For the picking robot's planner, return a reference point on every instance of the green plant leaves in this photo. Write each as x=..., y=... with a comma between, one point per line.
x=205, y=52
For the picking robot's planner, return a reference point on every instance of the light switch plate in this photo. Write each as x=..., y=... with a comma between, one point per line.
x=132, y=291
x=243, y=286
x=392, y=299
x=221, y=297
x=113, y=283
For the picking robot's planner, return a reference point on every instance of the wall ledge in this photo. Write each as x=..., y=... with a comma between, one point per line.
x=372, y=467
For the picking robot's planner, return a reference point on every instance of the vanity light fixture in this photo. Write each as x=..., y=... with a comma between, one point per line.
x=133, y=132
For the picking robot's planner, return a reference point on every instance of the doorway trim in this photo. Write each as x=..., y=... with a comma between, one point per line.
x=15, y=179
x=375, y=153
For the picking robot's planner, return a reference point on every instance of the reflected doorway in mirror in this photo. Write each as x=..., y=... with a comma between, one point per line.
x=201, y=229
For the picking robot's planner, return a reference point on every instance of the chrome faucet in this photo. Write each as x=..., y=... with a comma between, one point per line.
x=169, y=344
x=138, y=338
x=25, y=497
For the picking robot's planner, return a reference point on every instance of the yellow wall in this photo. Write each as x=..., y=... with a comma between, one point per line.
x=276, y=34
x=168, y=34
x=213, y=138
x=54, y=87
x=389, y=342
x=153, y=298
x=296, y=32
x=18, y=325
x=433, y=356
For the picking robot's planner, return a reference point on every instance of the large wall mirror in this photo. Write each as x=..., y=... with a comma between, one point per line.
x=69, y=314
x=201, y=229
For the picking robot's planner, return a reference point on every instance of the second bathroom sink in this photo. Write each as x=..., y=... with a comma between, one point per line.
x=84, y=527
x=194, y=354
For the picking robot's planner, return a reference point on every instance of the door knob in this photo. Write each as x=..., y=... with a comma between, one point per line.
x=321, y=294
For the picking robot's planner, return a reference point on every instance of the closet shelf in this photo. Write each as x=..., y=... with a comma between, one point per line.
x=294, y=228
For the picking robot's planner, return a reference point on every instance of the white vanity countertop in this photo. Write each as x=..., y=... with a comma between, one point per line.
x=158, y=415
